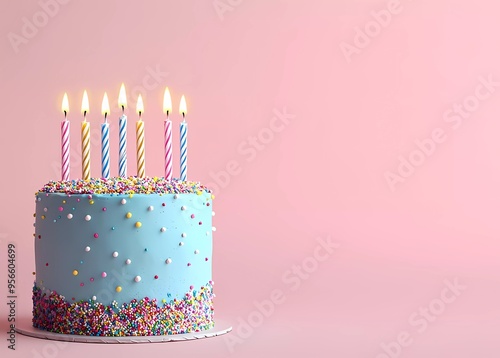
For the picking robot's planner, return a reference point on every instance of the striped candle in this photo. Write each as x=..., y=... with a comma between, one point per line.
x=168, y=149
x=139, y=130
x=122, y=163
x=65, y=141
x=167, y=108
x=122, y=166
x=105, y=150
x=105, y=139
x=85, y=139
x=183, y=136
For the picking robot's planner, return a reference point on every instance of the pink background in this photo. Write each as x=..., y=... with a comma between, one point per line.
x=356, y=118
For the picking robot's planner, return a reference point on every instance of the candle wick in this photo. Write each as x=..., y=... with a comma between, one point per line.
x=168, y=112
x=140, y=114
x=123, y=108
x=183, y=116
x=106, y=117
x=65, y=113
x=84, y=115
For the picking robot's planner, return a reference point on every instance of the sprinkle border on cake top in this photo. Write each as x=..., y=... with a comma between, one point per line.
x=125, y=185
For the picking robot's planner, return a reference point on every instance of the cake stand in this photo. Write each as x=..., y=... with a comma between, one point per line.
x=24, y=327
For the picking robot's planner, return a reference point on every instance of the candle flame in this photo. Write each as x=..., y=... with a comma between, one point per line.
x=122, y=97
x=167, y=102
x=105, y=105
x=65, y=104
x=140, y=105
x=182, y=106
x=85, y=103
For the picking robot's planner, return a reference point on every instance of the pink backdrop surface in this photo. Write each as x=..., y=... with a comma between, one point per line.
x=353, y=147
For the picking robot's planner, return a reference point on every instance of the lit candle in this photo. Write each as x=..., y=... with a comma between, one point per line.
x=139, y=131
x=85, y=138
x=65, y=140
x=105, y=138
x=184, y=131
x=167, y=109
x=122, y=163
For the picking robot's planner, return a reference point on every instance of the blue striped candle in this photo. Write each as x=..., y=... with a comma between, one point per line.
x=105, y=139
x=122, y=161
x=184, y=131
x=123, y=146
x=105, y=150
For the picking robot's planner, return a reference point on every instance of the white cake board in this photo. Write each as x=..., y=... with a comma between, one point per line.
x=221, y=327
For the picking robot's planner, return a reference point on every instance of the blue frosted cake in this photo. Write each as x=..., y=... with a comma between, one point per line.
x=123, y=257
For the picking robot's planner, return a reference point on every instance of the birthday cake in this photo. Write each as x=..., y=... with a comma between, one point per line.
x=123, y=256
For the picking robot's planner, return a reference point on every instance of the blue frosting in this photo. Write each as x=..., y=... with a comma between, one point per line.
x=65, y=264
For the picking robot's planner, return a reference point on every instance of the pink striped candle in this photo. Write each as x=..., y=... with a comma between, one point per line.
x=167, y=108
x=65, y=140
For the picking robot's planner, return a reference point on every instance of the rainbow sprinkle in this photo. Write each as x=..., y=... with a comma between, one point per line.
x=193, y=313
x=121, y=185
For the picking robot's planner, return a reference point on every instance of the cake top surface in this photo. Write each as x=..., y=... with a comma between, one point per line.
x=122, y=185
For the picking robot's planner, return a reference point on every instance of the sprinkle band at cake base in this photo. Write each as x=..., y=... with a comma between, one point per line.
x=146, y=317
x=123, y=257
